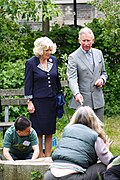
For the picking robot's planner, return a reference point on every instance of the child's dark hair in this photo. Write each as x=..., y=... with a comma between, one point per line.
x=22, y=123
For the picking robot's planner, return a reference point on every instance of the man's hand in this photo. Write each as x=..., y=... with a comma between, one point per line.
x=79, y=98
x=99, y=83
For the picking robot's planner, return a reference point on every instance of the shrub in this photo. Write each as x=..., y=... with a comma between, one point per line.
x=17, y=45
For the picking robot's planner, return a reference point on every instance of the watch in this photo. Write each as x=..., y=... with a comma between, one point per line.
x=28, y=100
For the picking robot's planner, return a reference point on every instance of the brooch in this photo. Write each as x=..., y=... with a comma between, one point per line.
x=50, y=60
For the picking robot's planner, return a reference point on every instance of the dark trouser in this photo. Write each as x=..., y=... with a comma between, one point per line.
x=100, y=113
x=20, y=157
x=113, y=173
x=94, y=172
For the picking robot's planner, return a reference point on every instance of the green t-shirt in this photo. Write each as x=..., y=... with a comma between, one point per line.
x=19, y=144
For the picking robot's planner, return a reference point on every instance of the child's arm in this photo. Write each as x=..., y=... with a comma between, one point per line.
x=7, y=154
x=36, y=152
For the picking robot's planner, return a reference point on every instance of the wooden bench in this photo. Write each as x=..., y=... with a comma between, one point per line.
x=10, y=97
x=13, y=97
x=5, y=125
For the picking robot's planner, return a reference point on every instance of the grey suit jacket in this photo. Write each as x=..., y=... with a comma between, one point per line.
x=82, y=78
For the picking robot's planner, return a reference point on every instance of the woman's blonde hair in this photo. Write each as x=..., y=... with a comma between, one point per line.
x=86, y=116
x=43, y=43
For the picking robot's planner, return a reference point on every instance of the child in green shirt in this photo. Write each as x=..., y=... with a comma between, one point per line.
x=20, y=141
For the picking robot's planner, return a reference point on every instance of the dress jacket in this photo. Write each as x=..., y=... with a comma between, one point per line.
x=40, y=83
x=82, y=77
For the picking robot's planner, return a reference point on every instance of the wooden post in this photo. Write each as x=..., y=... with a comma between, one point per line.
x=6, y=111
x=75, y=14
x=45, y=23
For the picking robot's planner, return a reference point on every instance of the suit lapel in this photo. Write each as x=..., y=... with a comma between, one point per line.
x=96, y=62
x=84, y=59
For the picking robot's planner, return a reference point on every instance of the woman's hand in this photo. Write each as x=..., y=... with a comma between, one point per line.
x=108, y=142
x=31, y=107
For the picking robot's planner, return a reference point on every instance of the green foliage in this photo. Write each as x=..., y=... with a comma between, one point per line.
x=111, y=91
x=29, y=10
x=50, y=9
x=20, y=9
x=36, y=175
x=63, y=67
x=11, y=48
x=110, y=26
x=66, y=38
x=12, y=75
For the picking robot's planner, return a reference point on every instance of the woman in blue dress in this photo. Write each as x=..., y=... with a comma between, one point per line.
x=42, y=84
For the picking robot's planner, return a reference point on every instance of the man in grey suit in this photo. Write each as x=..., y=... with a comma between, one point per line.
x=86, y=74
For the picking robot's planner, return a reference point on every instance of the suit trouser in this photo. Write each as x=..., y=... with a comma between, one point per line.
x=94, y=172
x=100, y=113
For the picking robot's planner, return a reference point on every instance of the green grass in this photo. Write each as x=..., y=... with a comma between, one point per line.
x=112, y=128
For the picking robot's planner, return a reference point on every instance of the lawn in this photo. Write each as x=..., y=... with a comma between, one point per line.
x=112, y=127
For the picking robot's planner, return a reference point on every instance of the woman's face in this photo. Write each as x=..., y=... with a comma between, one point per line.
x=47, y=53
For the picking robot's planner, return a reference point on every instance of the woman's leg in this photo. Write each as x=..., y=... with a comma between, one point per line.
x=40, y=146
x=48, y=145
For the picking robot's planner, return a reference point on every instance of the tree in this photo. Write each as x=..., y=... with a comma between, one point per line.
x=110, y=28
x=50, y=10
x=29, y=10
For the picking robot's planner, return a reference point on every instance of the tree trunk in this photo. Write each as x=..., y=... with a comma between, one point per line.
x=45, y=26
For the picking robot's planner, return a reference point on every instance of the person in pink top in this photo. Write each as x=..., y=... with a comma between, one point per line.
x=83, y=150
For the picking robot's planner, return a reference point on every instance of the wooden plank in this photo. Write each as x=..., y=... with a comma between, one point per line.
x=20, y=101
x=20, y=92
x=11, y=92
x=6, y=124
x=64, y=83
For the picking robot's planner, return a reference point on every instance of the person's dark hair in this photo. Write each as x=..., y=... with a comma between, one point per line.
x=22, y=123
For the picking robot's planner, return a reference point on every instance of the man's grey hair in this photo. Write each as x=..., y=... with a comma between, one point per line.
x=86, y=30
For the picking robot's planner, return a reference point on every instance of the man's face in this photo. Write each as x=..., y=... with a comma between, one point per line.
x=25, y=132
x=86, y=41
